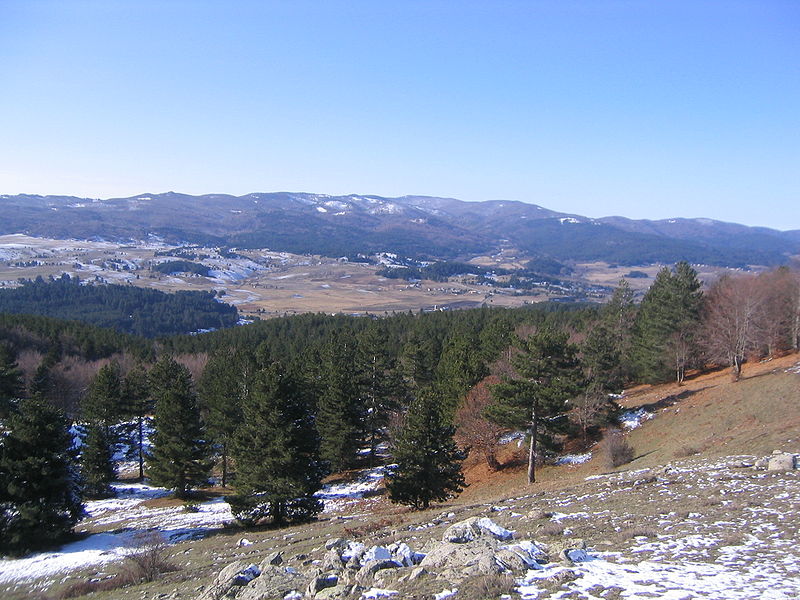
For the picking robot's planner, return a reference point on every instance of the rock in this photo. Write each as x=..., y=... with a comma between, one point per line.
x=781, y=462
x=332, y=561
x=562, y=577
x=402, y=553
x=335, y=592
x=367, y=572
x=555, y=549
x=473, y=528
x=274, y=559
x=537, y=514
x=244, y=542
x=386, y=576
x=417, y=573
x=376, y=553
x=457, y=561
x=761, y=463
x=224, y=581
x=274, y=582
x=509, y=560
x=336, y=543
x=570, y=557
x=317, y=584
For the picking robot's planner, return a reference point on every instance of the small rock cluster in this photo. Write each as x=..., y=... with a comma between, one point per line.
x=778, y=461
x=474, y=547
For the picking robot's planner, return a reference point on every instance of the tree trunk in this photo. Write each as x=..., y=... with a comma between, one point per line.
x=141, y=449
x=736, y=368
x=492, y=461
x=532, y=447
x=224, y=464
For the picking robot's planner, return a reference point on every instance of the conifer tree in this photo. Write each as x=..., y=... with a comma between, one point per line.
x=138, y=404
x=226, y=381
x=39, y=482
x=276, y=449
x=10, y=380
x=428, y=463
x=103, y=404
x=179, y=457
x=383, y=388
x=547, y=376
x=97, y=462
x=663, y=333
x=340, y=410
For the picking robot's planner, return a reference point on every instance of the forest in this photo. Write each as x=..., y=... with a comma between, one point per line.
x=126, y=308
x=269, y=409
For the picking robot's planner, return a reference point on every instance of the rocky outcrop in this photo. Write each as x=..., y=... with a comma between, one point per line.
x=471, y=548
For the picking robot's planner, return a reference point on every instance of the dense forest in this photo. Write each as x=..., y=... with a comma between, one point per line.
x=319, y=394
x=126, y=308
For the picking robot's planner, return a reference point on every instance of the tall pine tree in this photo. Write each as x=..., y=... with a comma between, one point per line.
x=340, y=409
x=276, y=449
x=547, y=376
x=427, y=462
x=226, y=382
x=180, y=454
x=39, y=482
x=10, y=380
x=138, y=404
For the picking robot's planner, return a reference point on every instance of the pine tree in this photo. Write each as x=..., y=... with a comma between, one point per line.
x=97, y=465
x=663, y=334
x=340, y=410
x=428, y=463
x=179, y=457
x=383, y=389
x=39, y=482
x=10, y=380
x=226, y=382
x=547, y=376
x=103, y=404
x=276, y=449
x=137, y=405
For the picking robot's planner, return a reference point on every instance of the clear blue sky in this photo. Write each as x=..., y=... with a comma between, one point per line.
x=648, y=109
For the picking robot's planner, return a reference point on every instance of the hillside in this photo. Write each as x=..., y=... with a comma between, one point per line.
x=666, y=525
x=416, y=226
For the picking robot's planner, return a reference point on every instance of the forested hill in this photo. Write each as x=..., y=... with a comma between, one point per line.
x=128, y=309
x=415, y=226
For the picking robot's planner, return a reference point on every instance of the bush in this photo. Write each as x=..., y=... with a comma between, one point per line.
x=487, y=587
x=617, y=449
x=146, y=559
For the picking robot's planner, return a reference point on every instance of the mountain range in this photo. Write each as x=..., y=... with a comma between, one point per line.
x=415, y=226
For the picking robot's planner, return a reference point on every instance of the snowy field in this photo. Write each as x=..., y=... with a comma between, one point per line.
x=124, y=516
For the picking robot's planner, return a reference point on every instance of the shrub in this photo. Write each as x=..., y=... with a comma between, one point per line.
x=146, y=559
x=617, y=449
x=487, y=587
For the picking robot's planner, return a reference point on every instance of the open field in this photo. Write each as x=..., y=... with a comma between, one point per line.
x=266, y=284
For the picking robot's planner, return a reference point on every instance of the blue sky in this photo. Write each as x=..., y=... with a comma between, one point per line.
x=648, y=109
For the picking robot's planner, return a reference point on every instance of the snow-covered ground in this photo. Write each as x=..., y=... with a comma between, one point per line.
x=124, y=516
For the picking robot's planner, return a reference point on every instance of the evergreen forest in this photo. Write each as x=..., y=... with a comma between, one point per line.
x=269, y=409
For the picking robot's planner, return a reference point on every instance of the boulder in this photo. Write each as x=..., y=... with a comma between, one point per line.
x=333, y=593
x=225, y=581
x=557, y=548
x=781, y=462
x=332, y=561
x=376, y=553
x=458, y=561
x=317, y=584
x=473, y=528
x=336, y=543
x=274, y=582
x=274, y=559
x=367, y=572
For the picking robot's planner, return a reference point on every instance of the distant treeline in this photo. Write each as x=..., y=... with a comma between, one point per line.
x=181, y=266
x=128, y=309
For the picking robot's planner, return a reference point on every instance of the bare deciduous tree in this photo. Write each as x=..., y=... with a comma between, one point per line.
x=733, y=320
x=474, y=431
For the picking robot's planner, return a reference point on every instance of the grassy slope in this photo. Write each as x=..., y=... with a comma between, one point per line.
x=709, y=414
